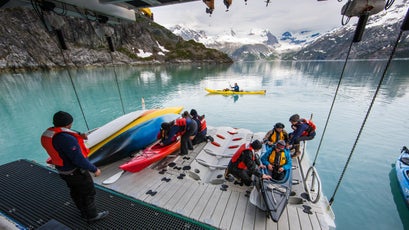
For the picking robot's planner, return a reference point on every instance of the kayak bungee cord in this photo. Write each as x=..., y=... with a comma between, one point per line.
x=405, y=26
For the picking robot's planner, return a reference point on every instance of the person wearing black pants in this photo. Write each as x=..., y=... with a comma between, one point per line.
x=188, y=135
x=69, y=155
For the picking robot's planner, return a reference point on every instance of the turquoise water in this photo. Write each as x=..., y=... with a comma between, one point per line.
x=368, y=197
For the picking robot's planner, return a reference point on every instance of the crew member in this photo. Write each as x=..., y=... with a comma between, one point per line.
x=245, y=163
x=69, y=155
x=304, y=130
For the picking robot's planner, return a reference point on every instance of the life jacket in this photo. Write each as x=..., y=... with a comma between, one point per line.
x=236, y=159
x=283, y=159
x=203, y=124
x=311, y=128
x=47, y=143
x=274, y=134
x=181, y=122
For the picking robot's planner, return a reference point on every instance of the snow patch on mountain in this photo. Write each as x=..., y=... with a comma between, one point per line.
x=287, y=40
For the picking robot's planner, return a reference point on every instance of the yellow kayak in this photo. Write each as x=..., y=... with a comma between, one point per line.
x=226, y=91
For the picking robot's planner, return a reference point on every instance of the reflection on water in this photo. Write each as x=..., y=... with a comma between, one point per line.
x=398, y=199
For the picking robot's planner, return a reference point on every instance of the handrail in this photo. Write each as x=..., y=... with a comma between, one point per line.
x=314, y=177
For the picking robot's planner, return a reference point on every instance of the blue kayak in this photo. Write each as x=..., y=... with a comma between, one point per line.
x=130, y=141
x=402, y=172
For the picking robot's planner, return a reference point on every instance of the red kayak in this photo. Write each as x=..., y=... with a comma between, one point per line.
x=150, y=155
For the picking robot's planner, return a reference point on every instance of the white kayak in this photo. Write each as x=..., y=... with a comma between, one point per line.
x=112, y=127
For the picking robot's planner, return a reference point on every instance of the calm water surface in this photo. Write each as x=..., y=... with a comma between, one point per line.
x=368, y=197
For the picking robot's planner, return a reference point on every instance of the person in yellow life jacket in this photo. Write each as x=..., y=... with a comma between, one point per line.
x=277, y=160
x=245, y=163
x=276, y=134
x=68, y=153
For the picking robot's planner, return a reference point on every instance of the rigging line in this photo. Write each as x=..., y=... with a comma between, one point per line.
x=332, y=104
x=75, y=90
x=366, y=116
x=117, y=83
x=40, y=14
x=112, y=61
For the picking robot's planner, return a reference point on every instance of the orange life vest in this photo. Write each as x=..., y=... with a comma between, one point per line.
x=309, y=130
x=203, y=124
x=47, y=143
x=237, y=155
x=181, y=122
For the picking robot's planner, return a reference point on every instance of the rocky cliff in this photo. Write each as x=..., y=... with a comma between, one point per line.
x=26, y=44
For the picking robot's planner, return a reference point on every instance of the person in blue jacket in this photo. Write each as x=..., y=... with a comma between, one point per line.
x=188, y=135
x=69, y=155
x=277, y=160
x=236, y=87
x=304, y=130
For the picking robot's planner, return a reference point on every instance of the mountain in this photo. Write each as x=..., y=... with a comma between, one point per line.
x=254, y=45
x=381, y=32
x=379, y=36
x=28, y=43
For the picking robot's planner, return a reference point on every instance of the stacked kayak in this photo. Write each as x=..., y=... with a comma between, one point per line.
x=402, y=173
x=101, y=135
x=223, y=91
x=132, y=137
x=150, y=155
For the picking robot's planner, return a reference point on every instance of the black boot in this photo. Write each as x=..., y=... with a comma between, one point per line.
x=99, y=216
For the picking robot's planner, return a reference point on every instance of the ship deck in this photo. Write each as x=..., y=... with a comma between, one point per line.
x=175, y=185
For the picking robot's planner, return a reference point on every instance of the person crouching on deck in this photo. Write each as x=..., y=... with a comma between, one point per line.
x=278, y=160
x=304, y=130
x=245, y=163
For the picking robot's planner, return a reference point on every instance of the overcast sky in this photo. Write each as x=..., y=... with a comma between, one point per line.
x=279, y=16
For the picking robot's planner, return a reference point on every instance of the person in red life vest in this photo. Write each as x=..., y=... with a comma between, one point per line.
x=170, y=131
x=276, y=134
x=188, y=135
x=200, y=136
x=69, y=155
x=245, y=163
x=304, y=130
x=277, y=160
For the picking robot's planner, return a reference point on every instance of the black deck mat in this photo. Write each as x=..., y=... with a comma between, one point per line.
x=32, y=195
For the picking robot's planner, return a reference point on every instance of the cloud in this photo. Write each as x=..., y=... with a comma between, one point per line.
x=279, y=16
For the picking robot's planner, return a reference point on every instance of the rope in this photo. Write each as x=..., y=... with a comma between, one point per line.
x=366, y=117
x=332, y=105
x=117, y=84
x=75, y=90
x=40, y=14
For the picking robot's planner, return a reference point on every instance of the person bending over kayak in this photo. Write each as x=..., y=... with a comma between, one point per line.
x=188, y=135
x=245, y=163
x=277, y=160
x=200, y=136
